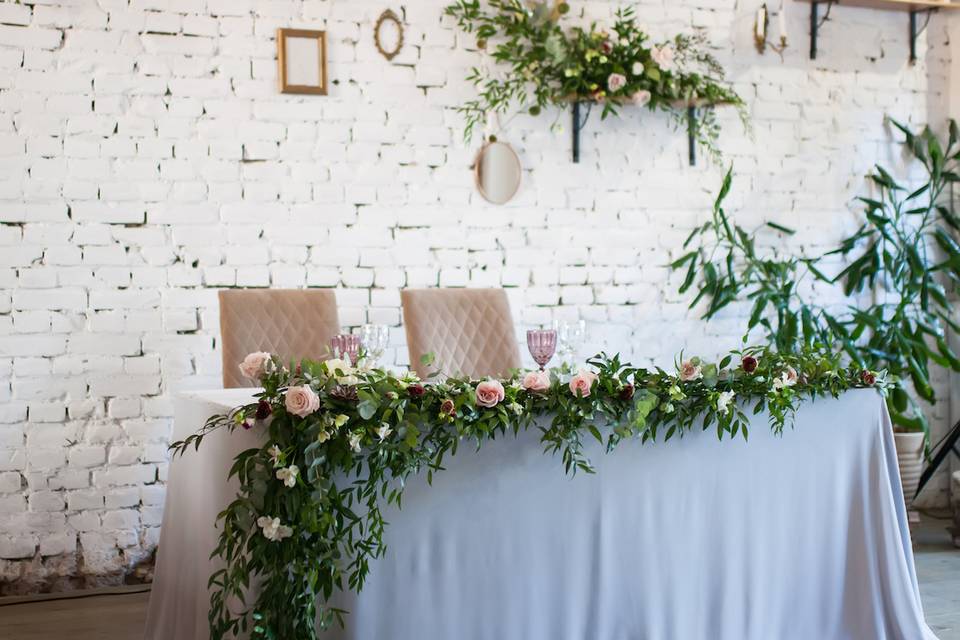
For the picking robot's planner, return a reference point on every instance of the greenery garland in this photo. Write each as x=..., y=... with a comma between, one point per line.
x=339, y=442
x=615, y=67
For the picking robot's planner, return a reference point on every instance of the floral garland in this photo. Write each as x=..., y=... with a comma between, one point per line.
x=550, y=66
x=339, y=441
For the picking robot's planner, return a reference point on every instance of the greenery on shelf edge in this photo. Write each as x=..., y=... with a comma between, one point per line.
x=903, y=331
x=338, y=443
x=550, y=66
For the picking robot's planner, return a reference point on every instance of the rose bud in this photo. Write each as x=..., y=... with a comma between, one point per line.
x=416, y=390
x=263, y=410
x=448, y=408
x=749, y=364
x=627, y=392
x=868, y=378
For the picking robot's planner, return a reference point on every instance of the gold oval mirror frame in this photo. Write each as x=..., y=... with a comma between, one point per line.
x=497, y=171
x=388, y=17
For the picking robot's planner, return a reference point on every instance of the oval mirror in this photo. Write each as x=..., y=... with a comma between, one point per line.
x=498, y=172
x=388, y=34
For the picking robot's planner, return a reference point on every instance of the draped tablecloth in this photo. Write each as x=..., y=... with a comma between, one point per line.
x=795, y=537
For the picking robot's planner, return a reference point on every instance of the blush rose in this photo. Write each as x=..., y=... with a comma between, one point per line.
x=536, y=381
x=490, y=393
x=301, y=401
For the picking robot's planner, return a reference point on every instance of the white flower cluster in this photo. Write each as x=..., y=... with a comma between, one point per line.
x=273, y=530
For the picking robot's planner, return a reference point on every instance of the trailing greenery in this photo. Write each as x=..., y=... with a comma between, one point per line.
x=893, y=255
x=338, y=442
x=547, y=65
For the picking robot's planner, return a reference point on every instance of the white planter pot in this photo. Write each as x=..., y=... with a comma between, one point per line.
x=910, y=459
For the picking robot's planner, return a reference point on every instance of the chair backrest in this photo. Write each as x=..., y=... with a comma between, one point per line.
x=469, y=331
x=291, y=323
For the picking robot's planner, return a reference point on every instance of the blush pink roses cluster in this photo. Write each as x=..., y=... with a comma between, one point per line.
x=582, y=383
x=536, y=381
x=490, y=393
x=301, y=401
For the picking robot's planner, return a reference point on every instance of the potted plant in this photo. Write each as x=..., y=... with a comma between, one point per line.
x=903, y=255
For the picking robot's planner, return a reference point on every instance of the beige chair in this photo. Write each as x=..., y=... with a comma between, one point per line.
x=289, y=323
x=469, y=331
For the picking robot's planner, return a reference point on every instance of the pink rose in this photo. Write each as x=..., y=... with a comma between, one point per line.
x=536, y=381
x=663, y=56
x=490, y=393
x=790, y=376
x=301, y=401
x=255, y=365
x=616, y=82
x=641, y=98
x=581, y=383
x=690, y=371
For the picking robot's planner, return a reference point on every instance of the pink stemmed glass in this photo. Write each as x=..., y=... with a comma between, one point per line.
x=346, y=345
x=542, y=344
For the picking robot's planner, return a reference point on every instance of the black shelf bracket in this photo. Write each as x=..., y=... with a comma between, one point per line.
x=691, y=133
x=816, y=22
x=915, y=32
x=578, y=124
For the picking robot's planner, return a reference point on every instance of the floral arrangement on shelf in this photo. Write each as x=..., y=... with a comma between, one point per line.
x=612, y=68
x=339, y=441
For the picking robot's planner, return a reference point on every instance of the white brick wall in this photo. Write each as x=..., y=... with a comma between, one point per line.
x=146, y=159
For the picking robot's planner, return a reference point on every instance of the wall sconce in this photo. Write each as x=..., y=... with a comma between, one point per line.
x=761, y=25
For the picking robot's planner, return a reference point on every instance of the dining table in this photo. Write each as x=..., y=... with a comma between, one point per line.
x=799, y=535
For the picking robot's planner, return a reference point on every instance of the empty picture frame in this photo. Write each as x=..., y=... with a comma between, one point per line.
x=302, y=56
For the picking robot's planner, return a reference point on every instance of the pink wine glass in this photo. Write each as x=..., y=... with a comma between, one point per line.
x=542, y=344
x=346, y=345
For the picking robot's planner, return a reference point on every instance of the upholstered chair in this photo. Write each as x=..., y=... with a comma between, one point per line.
x=469, y=331
x=291, y=323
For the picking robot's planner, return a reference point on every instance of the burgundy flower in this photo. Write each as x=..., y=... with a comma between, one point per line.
x=263, y=410
x=749, y=364
x=627, y=392
x=868, y=378
x=448, y=408
x=607, y=47
x=416, y=390
x=246, y=424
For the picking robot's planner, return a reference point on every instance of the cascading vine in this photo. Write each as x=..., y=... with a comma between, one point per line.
x=338, y=441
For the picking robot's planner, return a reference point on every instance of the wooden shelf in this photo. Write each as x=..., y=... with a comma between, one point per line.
x=912, y=7
x=894, y=5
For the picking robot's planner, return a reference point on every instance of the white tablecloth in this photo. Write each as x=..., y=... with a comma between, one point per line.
x=799, y=537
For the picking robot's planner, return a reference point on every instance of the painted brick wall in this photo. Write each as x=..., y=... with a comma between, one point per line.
x=147, y=159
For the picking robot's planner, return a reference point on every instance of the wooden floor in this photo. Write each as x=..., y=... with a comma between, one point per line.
x=121, y=617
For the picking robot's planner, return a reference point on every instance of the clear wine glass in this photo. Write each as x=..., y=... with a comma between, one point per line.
x=570, y=337
x=375, y=338
x=346, y=346
x=542, y=344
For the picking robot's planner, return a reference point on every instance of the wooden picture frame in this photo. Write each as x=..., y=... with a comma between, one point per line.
x=297, y=79
x=388, y=17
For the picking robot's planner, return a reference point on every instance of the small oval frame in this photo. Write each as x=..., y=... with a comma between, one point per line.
x=388, y=16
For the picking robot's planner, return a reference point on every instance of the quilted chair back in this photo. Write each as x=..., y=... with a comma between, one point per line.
x=291, y=323
x=469, y=331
